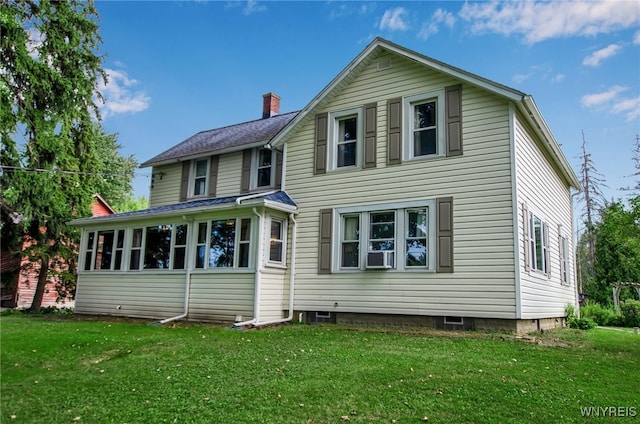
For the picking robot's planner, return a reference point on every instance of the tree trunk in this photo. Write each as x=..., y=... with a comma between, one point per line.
x=42, y=284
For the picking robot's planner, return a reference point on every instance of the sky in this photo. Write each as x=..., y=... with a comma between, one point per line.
x=178, y=68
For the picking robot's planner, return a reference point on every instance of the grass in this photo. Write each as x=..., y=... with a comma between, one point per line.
x=73, y=369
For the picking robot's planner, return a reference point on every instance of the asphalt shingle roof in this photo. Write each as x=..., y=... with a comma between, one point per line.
x=210, y=141
x=279, y=197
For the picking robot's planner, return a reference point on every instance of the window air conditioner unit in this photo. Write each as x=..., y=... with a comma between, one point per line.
x=380, y=260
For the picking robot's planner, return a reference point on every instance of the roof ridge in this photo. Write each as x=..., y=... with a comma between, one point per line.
x=246, y=122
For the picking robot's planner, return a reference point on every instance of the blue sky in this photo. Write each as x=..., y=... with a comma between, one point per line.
x=177, y=68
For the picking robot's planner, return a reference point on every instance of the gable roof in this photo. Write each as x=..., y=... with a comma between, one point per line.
x=523, y=102
x=275, y=199
x=222, y=140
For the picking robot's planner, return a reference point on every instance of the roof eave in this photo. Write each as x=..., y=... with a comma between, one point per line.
x=233, y=149
x=531, y=112
x=467, y=77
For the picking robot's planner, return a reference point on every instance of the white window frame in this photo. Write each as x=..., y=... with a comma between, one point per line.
x=563, y=246
x=192, y=177
x=207, y=244
x=255, y=155
x=408, y=108
x=334, y=139
x=401, y=225
x=533, y=243
x=282, y=240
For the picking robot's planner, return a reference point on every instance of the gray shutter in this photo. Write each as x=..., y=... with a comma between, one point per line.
x=184, y=182
x=453, y=118
x=279, y=158
x=444, y=234
x=213, y=175
x=324, y=252
x=370, y=130
x=525, y=235
x=394, y=131
x=321, y=143
x=246, y=171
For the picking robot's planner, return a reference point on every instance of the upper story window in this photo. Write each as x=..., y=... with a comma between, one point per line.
x=199, y=172
x=424, y=122
x=345, y=143
x=265, y=169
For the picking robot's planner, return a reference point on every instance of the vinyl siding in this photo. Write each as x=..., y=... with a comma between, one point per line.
x=219, y=296
x=272, y=294
x=229, y=171
x=545, y=194
x=479, y=181
x=140, y=294
x=165, y=190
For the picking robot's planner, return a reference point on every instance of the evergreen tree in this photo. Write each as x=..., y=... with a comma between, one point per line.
x=48, y=74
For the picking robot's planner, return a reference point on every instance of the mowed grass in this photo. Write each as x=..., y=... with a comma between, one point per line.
x=75, y=369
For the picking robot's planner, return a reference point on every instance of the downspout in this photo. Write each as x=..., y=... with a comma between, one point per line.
x=258, y=277
x=187, y=283
x=292, y=277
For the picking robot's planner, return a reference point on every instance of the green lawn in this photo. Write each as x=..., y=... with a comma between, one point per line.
x=62, y=369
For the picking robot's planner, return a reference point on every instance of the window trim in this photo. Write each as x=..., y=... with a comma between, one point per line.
x=563, y=250
x=332, y=145
x=207, y=244
x=255, y=156
x=408, y=107
x=400, y=238
x=192, y=177
x=283, y=240
x=533, y=243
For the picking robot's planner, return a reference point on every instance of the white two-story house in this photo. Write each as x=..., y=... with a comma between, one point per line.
x=407, y=191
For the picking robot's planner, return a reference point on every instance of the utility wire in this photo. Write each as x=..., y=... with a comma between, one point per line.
x=56, y=171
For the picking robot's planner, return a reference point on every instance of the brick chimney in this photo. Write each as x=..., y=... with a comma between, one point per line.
x=270, y=105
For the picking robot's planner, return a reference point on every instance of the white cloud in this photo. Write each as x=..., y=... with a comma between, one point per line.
x=252, y=6
x=590, y=100
x=611, y=99
x=394, y=19
x=636, y=38
x=596, y=57
x=538, y=21
x=519, y=78
x=120, y=95
x=630, y=107
x=558, y=78
x=440, y=16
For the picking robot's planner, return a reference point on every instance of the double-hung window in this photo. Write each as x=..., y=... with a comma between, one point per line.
x=219, y=244
x=276, y=241
x=265, y=168
x=538, y=244
x=199, y=172
x=424, y=124
x=346, y=135
x=396, y=236
x=564, y=260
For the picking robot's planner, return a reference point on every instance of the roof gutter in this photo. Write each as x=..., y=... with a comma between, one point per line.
x=528, y=107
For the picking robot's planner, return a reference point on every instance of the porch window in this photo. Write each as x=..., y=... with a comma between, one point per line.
x=223, y=243
x=136, y=249
x=276, y=241
x=157, y=247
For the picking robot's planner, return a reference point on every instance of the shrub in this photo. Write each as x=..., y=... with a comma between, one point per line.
x=630, y=313
x=602, y=315
x=580, y=323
